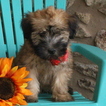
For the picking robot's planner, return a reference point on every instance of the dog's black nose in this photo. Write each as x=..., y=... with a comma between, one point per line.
x=52, y=51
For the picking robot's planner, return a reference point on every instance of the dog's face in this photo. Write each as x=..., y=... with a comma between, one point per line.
x=49, y=31
x=51, y=42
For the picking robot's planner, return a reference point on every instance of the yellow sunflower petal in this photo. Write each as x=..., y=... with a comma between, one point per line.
x=20, y=73
x=12, y=71
x=21, y=101
x=25, y=91
x=2, y=64
x=24, y=85
x=25, y=74
x=13, y=100
x=2, y=103
x=25, y=80
x=20, y=82
x=4, y=71
x=1, y=59
x=20, y=96
x=8, y=104
x=10, y=60
x=5, y=61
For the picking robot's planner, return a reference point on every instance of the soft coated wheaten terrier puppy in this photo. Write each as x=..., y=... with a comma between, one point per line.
x=46, y=52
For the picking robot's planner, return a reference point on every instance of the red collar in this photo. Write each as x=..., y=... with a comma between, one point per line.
x=61, y=59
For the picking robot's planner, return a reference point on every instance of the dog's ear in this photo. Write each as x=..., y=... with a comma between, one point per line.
x=72, y=26
x=26, y=27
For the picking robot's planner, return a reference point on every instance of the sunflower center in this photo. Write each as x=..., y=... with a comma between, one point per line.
x=7, y=88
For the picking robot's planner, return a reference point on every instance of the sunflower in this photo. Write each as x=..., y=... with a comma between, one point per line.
x=13, y=83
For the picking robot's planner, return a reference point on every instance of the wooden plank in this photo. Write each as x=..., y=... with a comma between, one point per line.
x=61, y=4
x=38, y=5
x=27, y=6
x=8, y=28
x=17, y=16
x=46, y=99
x=2, y=45
x=49, y=3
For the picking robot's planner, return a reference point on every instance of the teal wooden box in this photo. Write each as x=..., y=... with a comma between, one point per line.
x=11, y=39
x=46, y=100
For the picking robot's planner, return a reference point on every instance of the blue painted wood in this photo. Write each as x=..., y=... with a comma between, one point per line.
x=61, y=4
x=8, y=28
x=17, y=16
x=2, y=45
x=49, y=3
x=27, y=6
x=97, y=56
x=46, y=99
x=38, y=5
x=100, y=91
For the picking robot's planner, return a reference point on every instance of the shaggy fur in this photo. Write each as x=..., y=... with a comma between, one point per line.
x=47, y=34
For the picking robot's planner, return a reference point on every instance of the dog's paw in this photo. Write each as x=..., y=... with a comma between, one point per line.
x=62, y=98
x=31, y=98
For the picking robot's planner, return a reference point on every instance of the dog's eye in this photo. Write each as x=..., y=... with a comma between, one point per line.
x=42, y=34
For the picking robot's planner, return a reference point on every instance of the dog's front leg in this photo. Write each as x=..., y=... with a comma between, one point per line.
x=33, y=86
x=60, y=88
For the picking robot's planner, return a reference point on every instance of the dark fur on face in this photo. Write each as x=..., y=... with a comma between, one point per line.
x=47, y=34
x=51, y=38
x=50, y=43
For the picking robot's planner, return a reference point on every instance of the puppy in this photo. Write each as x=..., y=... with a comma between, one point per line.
x=46, y=52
